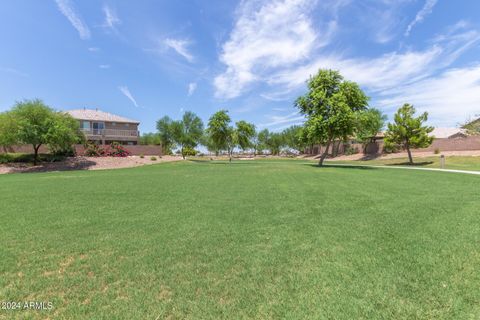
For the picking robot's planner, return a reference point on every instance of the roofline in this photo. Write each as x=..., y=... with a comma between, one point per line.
x=119, y=121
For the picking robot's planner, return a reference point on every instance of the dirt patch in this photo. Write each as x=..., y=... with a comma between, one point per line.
x=86, y=163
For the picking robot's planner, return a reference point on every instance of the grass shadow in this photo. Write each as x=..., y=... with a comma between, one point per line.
x=415, y=164
x=340, y=166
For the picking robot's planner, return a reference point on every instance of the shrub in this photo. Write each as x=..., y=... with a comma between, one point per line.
x=351, y=150
x=142, y=156
x=436, y=151
x=153, y=158
x=187, y=151
x=93, y=150
x=117, y=150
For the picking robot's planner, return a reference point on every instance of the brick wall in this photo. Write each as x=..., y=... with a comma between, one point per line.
x=444, y=144
x=134, y=150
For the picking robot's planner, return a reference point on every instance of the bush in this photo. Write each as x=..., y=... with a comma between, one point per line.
x=153, y=158
x=351, y=150
x=142, y=156
x=117, y=150
x=187, y=151
x=93, y=150
x=28, y=158
x=114, y=150
x=436, y=151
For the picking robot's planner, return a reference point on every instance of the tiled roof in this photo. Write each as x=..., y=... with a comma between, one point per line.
x=97, y=115
x=447, y=132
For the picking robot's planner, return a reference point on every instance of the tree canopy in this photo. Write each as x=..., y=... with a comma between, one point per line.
x=369, y=123
x=408, y=131
x=330, y=106
x=187, y=132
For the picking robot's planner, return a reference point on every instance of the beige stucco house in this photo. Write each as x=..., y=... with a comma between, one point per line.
x=105, y=128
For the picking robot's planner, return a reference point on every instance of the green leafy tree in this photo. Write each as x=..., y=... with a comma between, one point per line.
x=165, y=133
x=245, y=133
x=262, y=140
x=34, y=119
x=187, y=133
x=275, y=142
x=330, y=106
x=220, y=131
x=63, y=133
x=408, y=131
x=151, y=138
x=369, y=123
x=294, y=138
x=8, y=130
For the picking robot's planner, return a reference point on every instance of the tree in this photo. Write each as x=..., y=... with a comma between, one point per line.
x=151, y=138
x=187, y=133
x=63, y=133
x=165, y=134
x=245, y=132
x=330, y=106
x=369, y=123
x=8, y=130
x=220, y=131
x=33, y=119
x=294, y=138
x=408, y=131
x=262, y=139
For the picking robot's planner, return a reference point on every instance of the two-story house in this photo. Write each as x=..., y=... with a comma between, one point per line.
x=105, y=128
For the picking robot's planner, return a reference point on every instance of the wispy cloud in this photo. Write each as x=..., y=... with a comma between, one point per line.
x=93, y=49
x=180, y=46
x=425, y=11
x=266, y=36
x=281, y=122
x=111, y=18
x=192, y=86
x=126, y=93
x=67, y=9
x=449, y=97
x=104, y=66
x=15, y=72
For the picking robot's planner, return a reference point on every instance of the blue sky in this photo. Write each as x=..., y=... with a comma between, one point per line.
x=146, y=59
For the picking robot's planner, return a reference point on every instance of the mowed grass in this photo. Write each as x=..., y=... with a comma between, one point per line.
x=251, y=239
x=468, y=163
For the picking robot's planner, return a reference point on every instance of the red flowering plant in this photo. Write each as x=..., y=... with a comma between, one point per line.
x=116, y=150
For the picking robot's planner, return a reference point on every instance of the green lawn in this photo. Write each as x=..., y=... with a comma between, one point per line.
x=251, y=239
x=451, y=162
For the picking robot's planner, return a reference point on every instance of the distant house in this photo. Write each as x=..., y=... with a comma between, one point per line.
x=105, y=128
x=448, y=133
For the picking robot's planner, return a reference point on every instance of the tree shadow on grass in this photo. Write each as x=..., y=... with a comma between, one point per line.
x=415, y=164
x=346, y=166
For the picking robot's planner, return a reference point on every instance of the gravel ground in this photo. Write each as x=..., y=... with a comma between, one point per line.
x=86, y=163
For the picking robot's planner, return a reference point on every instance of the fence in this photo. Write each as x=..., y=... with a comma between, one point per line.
x=441, y=144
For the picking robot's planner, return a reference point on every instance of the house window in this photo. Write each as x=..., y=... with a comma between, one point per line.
x=127, y=124
x=113, y=124
x=86, y=125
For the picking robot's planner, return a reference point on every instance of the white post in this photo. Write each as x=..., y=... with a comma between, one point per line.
x=442, y=161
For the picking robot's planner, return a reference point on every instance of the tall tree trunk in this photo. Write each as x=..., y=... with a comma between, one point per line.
x=324, y=154
x=410, y=159
x=35, y=155
x=183, y=154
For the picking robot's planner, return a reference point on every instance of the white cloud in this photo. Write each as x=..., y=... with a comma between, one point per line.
x=104, y=66
x=266, y=36
x=67, y=9
x=192, y=86
x=181, y=47
x=111, y=18
x=126, y=93
x=449, y=97
x=15, y=72
x=93, y=49
x=425, y=11
x=282, y=121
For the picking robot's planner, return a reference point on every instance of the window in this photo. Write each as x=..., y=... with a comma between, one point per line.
x=113, y=124
x=127, y=124
x=86, y=125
